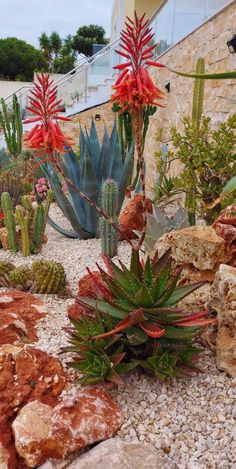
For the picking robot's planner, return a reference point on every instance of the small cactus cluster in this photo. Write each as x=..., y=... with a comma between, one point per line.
x=32, y=223
x=11, y=124
x=109, y=236
x=42, y=277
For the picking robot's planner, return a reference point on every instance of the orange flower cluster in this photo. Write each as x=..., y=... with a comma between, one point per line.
x=134, y=88
x=45, y=105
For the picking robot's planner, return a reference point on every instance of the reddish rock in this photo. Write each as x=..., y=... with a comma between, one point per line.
x=19, y=312
x=33, y=437
x=90, y=417
x=225, y=226
x=87, y=286
x=28, y=375
x=25, y=375
x=42, y=432
x=75, y=311
x=131, y=218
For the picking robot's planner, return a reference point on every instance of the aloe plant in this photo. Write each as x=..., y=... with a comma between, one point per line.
x=158, y=224
x=95, y=164
x=135, y=322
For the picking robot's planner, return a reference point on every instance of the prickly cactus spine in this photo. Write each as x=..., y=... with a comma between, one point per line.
x=109, y=236
x=9, y=221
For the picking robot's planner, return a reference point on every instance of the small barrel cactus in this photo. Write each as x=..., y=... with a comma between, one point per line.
x=21, y=278
x=109, y=236
x=49, y=277
x=5, y=271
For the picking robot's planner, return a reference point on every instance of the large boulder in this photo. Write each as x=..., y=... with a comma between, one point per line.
x=117, y=454
x=197, y=246
x=42, y=432
x=89, y=417
x=223, y=301
x=33, y=437
x=131, y=218
x=19, y=313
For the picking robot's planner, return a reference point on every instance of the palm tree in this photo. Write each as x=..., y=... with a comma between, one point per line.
x=56, y=43
x=45, y=45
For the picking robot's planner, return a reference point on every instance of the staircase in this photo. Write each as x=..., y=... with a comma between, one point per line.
x=87, y=85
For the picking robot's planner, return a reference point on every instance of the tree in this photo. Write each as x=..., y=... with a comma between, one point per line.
x=56, y=43
x=58, y=52
x=19, y=60
x=86, y=36
x=45, y=45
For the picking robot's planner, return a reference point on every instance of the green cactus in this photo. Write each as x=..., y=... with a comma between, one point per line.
x=32, y=224
x=9, y=221
x=198, y=94
x=13, y=185
x=21, y=278
x=49, y=277
x=22, y=219
x=39, y=228
x=11, y=124
x=109, y=236
x=5, y=271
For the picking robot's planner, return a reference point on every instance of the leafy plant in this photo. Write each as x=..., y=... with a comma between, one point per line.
x=97, y=163
x=209, y=160
x=158, y=224
x=135, y=321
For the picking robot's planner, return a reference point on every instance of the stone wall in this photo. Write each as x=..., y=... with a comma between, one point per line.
x=209, y=42
x=84, y=119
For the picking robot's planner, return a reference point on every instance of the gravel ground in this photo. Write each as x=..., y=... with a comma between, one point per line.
x=193, y=421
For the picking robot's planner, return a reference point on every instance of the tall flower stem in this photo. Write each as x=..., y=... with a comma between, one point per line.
x=138, y=132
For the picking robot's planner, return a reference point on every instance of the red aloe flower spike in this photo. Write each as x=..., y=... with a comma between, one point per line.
x=45, y=105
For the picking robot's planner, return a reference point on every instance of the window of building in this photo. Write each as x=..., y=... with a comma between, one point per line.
x=178, y=18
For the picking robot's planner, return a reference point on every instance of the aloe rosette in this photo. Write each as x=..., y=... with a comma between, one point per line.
x=135, y=315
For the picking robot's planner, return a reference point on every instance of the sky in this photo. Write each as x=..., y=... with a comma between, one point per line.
x=27, y=19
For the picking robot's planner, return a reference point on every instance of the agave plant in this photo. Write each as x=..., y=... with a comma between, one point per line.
x=158, y=223
x=95, y=164
x=135, y=322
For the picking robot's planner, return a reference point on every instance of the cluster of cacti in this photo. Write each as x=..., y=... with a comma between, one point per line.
x=13, y=185
x=41, y=277
x=11, y=124
x=109, y=236
x=32, y=223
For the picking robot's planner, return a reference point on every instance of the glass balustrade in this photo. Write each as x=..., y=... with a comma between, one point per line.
x=178, y=18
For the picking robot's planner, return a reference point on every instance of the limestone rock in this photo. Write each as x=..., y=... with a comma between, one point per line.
x=33, y=439
x=223, y=300
x=198, y=246
x=131, y=218
x=91, y=416
x=117, y=454
x=19, y=312
x=197, y=300
x=225, y=226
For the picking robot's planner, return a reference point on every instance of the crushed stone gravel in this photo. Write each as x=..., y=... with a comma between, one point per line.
x=192, y=420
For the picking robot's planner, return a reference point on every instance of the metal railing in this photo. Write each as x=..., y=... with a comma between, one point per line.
x=75, y=84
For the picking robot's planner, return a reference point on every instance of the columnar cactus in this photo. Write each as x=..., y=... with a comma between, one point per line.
x=109, y=236
x=32, y=223
x=11, y=123
x=9, y=221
